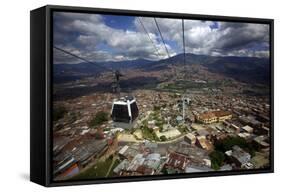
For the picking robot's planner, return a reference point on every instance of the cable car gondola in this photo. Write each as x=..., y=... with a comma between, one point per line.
x=124, y=110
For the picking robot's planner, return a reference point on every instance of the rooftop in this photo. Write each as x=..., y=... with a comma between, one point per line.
x=177, y=161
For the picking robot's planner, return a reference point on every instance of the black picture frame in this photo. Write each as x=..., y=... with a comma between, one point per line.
x=41, y=98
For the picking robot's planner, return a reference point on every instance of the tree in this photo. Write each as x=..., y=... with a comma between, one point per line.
x=156, y=108
x=59, y=112
x=98, y=119
x=217, y=159
x=163, y=138
x=227, y=143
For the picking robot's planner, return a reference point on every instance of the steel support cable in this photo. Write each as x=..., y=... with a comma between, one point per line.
x=183, y=41
x=161, y=37
x=155, y=47
x=78, y=57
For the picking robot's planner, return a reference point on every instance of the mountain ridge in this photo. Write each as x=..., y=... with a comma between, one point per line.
x=245, y=69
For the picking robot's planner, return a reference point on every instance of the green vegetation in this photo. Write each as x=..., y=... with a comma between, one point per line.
x=156, y=108
x=256, y=91
x=73, y=116
x=99, y=170
x=182, y=129
x=163, y=138
x=261, y=160
x=148, y=133
x=106, y=129
x=164, y=105
x=98, y=119
x=155, y=115
x=218, y=155
x=160, y=125
x=227, y=82
x=217, y=159
x=182, y=85
x=59, y=112
x=227, y=143
x=174, y=95
x=164, y=170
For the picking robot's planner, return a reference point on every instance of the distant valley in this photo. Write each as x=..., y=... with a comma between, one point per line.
x=243, y=69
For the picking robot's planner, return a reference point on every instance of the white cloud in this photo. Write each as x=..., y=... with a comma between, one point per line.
x=248, y=53
x=85, y=33
x=201, y=38
x=93, y=31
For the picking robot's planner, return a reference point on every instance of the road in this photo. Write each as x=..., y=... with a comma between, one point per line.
x=159, y=143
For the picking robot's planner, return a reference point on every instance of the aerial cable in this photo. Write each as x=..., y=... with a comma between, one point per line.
x=161, y=37
x=183, y=41
x=156, y=49
x=78, y=57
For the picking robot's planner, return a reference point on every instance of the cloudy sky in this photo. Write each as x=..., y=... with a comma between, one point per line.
x=116, y=38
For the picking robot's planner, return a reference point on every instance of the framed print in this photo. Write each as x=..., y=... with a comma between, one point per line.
x=123, y=95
